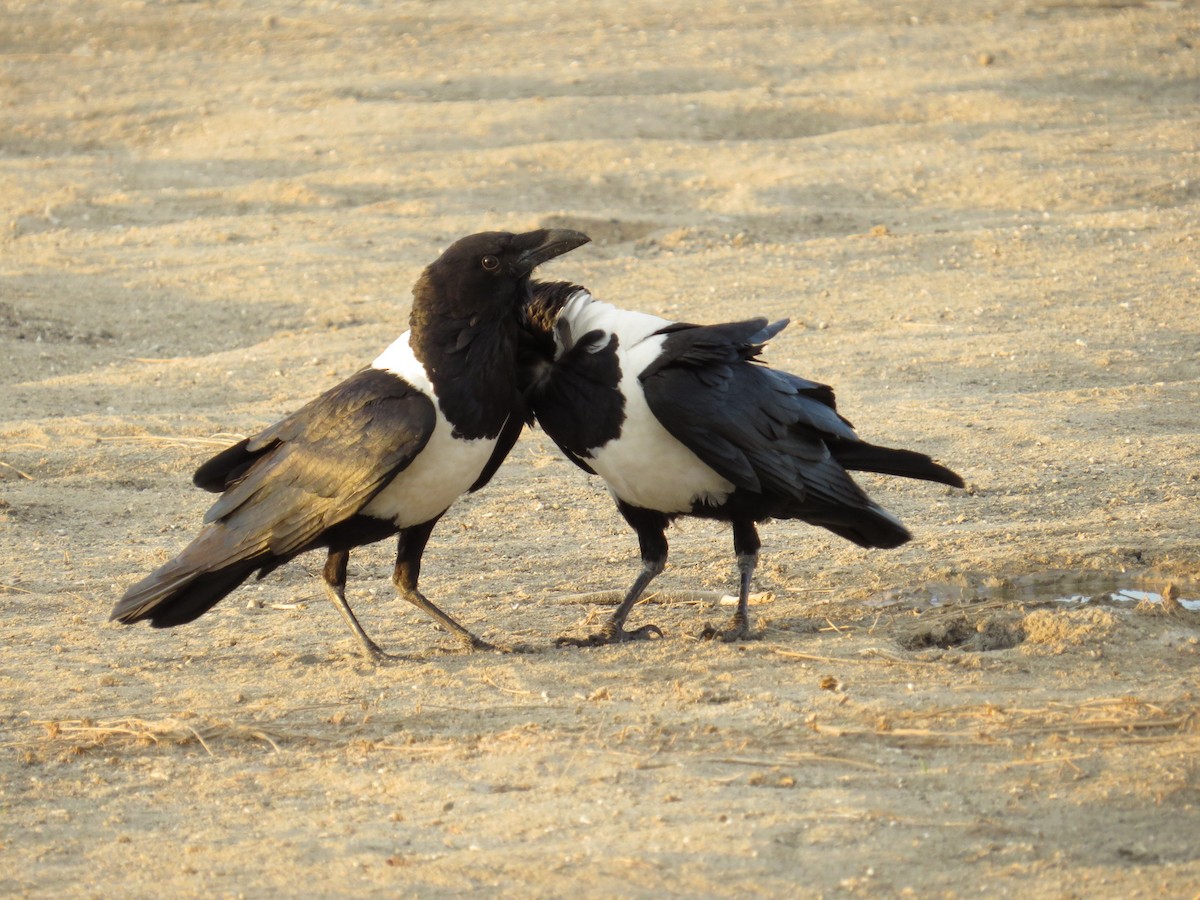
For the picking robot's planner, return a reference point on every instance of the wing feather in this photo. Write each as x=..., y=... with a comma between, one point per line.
x=319, y=466
x=763, y=430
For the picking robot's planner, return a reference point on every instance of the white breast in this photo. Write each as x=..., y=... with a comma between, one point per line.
x=645, y=466
x=442, y=471
x=585, y=313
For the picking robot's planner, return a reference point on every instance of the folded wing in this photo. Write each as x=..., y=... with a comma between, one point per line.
x=283, y=488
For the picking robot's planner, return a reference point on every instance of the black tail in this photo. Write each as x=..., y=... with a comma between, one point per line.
x=863, y=457
x=184, y=588
x=871, y=527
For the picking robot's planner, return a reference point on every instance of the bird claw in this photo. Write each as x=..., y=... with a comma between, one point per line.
x=738, y=629
x=377, y=654
x=611, y=635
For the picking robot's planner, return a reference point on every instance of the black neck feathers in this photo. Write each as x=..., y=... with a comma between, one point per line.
x=547, y=298
x=470, y=358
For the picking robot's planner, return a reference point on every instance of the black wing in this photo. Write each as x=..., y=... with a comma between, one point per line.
x=763, y=430
x=283, y=487
x=579, y=402
x=504, y=443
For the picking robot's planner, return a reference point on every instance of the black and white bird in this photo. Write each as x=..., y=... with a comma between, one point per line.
x=387, y=451
x=683, y=420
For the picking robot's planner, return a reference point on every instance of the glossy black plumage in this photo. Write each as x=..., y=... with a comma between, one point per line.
x=683, y=419
x=284, y=489
x=385, y=452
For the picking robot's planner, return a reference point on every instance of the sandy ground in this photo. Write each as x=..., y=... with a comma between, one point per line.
x=984, y=221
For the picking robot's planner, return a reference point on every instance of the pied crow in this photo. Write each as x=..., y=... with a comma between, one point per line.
x=387, y=451
x=684, y=420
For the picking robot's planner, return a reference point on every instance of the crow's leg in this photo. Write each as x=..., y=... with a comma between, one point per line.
x=334, y=576
x=746, y=545
x=651, y=530
x=408, y=569
x=613, y=631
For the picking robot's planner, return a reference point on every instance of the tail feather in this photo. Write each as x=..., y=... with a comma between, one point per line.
x=217, y=473
x=184, y=588
x=872, y=527
x=859, y=456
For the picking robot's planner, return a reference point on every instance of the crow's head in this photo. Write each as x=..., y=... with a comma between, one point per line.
x=487, y=275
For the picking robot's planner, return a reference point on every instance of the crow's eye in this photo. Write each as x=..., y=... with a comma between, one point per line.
x=490, y=263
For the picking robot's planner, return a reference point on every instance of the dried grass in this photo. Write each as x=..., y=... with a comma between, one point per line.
x=221, y=439
x=1061, y=628
x=77, y=736
x=614, y=598
x=799, y=759
x=24, y=475
x=1114, y=720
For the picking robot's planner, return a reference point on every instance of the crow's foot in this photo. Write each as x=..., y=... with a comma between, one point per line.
x=468, y=643
x=376, y=654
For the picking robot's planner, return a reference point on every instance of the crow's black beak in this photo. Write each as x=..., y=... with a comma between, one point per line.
x=536, y=247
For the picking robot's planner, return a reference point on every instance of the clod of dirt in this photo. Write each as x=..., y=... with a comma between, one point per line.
x=977, y=637
x=1170, y=600
x=1059, y=629
x=939, y=634
x=994, y=634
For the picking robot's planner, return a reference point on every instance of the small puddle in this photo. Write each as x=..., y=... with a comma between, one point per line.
x=1127, y=595
x=1046, y=587
x=973, y=614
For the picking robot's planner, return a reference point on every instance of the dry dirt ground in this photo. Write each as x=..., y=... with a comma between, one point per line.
x=984, y=221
